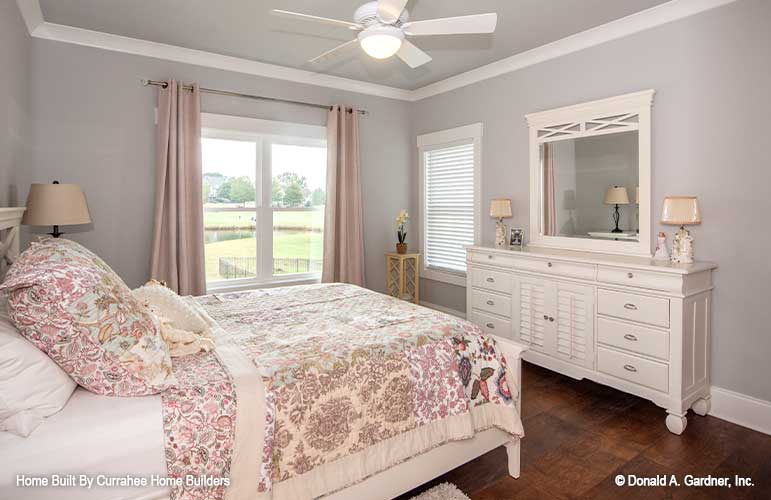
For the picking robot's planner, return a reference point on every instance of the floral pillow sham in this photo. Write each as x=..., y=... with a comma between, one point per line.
x=72, y=306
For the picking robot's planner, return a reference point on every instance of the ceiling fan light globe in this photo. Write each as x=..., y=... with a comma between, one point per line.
x=381, y=42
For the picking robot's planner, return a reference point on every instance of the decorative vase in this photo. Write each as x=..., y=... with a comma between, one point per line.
x=401, y=248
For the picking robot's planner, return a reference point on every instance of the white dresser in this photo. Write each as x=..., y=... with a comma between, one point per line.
x=635, y=324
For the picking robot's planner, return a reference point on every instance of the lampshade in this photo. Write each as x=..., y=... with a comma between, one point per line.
x=500, y=208
x=616, y=195
x=56, y=205
x=680, y=211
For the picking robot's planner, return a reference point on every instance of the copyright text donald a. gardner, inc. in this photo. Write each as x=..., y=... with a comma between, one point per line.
x=689, y=480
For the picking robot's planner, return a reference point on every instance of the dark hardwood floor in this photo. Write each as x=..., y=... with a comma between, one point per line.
x=580, y=435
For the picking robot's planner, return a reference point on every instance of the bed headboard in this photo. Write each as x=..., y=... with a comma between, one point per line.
x=10, y=220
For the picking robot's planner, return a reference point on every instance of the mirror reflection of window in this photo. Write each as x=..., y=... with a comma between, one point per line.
x=576, y=174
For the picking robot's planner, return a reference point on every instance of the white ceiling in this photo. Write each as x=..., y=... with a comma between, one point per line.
x=245, y=29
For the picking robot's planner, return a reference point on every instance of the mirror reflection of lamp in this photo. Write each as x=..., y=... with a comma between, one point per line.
x=637, y=202
x=616, y=195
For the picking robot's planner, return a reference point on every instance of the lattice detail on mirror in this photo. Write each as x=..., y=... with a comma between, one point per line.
x=628, y=121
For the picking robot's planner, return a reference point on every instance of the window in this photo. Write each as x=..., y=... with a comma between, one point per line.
x=449, y=188
x=263, y=192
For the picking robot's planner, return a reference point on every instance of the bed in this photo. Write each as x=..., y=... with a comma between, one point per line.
x=328, y=391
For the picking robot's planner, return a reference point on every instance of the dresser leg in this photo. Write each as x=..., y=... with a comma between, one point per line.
x=702, y=406
x=676, y=423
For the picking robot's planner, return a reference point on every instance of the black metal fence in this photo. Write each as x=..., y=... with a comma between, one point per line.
x=246, y=267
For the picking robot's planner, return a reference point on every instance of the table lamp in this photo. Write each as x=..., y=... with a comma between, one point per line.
x=500, y=209
x=616, y=195
x=681, y=211
x=56, y=205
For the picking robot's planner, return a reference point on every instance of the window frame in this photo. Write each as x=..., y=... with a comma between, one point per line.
x=468, y=134
x=264, y=133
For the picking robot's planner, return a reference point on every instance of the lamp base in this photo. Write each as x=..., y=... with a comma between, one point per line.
x=616, y=218
x=500, y=233
x=682, y=247
x=55, y=233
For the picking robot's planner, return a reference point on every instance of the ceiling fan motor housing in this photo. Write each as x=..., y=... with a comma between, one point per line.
x=367, y=15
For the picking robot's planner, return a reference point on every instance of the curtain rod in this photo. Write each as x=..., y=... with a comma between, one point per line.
x=163, y=84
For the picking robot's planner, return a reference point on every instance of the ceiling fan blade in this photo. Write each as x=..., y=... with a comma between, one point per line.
x=333, y=50
x=478, y=23
x=390, y=10
x=308, y=17
x=412, y=55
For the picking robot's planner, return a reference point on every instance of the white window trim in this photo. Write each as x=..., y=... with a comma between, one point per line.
x=434, y=140
x=244, y=128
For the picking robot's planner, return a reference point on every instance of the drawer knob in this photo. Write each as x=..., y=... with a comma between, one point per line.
x=490, y=325
x=549, y=264
x=631, y=307
x=630, y=368
x=629, y=275
x=489, y=256
x=546, y=317
x=630, y=337
x=551, y=318
x=491, y=280
x=490, y=303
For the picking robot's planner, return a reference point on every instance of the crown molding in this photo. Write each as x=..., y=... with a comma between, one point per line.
x=634, y=23
x=31, y=13
x=136, y=46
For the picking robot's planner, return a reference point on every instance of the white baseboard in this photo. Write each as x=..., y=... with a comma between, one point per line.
x=443, y=309
x=741, y=409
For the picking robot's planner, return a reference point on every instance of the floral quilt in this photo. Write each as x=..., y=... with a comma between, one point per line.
x=343, y=368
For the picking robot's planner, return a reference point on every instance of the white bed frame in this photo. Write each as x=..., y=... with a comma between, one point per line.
x=398, y=479
x=10, y=221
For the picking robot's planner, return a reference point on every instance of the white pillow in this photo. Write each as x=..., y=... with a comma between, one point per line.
x=32, y=386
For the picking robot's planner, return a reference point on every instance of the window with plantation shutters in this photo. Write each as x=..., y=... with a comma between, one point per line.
x=449, y=201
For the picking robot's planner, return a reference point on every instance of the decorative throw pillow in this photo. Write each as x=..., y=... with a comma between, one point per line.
x=72, y=306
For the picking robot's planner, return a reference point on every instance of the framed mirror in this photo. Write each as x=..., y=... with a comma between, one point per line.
x=590, y=176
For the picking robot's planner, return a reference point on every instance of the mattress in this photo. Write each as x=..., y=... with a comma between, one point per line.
x=95, y=436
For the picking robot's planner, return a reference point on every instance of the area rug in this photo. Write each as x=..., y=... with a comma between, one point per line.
x=444, y=491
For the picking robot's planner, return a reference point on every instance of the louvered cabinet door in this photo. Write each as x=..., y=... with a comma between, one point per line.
x=574, y=323
x=529, y=311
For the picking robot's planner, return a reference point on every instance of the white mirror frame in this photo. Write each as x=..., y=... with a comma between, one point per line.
x=586, y=120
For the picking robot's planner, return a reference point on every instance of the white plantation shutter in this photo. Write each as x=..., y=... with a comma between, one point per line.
x=448, y=218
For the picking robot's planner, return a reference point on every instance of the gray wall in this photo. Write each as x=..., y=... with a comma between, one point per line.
x=92, y=125
x=712, y=75
x=14, y=99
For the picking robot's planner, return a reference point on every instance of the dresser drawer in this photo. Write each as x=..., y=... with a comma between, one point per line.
x=498, y=281
x=634, y=369
x=635, y=338
x=491, y=302
x=491, y=324
x=494, y=259
x=651, y=310
x=642, y=279
x=567, y=269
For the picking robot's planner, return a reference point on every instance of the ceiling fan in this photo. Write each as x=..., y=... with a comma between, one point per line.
x=384, y=24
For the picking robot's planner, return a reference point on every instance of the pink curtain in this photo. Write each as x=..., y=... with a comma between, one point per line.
x=549, y=197
x=343, y=221
x=178, y=257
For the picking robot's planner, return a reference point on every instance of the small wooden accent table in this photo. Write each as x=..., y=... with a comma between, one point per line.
x=403, y=276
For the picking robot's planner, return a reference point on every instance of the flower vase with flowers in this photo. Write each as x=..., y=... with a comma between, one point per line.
x=401, y=233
